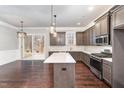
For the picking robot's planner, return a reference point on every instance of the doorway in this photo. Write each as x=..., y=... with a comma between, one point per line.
x=34, y=47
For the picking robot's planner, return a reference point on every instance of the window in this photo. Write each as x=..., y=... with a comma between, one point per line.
x=70, y=38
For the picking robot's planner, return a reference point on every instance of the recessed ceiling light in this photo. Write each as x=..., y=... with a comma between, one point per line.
x=53, y=24
x=78, y=23
x=90, y=8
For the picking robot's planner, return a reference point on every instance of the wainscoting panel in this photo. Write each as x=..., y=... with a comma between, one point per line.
x=7, y=56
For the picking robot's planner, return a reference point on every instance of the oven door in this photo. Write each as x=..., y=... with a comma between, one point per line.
x=96, y=67
x=96, y=64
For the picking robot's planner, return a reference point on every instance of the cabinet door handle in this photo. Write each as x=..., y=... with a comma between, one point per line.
x=64, y=69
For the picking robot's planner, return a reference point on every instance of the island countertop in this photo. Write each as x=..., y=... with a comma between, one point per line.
x=60, y=58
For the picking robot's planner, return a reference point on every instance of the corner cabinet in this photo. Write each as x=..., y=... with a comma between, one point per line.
x=89, y=36
x=59, y=40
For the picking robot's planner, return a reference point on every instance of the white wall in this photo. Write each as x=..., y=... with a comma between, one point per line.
x=9, y=51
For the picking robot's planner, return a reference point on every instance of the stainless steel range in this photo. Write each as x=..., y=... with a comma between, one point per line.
x=96, y=63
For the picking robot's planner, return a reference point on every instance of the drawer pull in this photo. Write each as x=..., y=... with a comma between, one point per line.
x=63, y=69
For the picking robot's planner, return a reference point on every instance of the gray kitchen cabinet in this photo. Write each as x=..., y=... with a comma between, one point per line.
x=118, y=15
x=50, y=53
x=59, y=40
x=64, y=75
x=85, y=37
x=117, y=19
x=87, y=59
x=53, y=41
x=81, y=57
x=76, y=55
x=89, y=36
x=79, y=38
x=97, y=29
x=103, y=28
x=107, y=71
x=104, y=25
x=92, y=36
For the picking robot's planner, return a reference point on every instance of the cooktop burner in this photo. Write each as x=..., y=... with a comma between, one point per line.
x=102, y=55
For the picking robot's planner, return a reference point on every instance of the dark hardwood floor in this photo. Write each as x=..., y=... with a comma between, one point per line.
x=36, y=74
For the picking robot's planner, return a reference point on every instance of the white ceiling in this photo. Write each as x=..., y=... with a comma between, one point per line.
x=39, y=15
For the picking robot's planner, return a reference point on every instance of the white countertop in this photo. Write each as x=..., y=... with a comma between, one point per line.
x=107, y=59
x=60, y=58
x=87, y=52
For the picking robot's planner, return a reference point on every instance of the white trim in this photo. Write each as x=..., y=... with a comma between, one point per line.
x=59, y=29
x=8, y=56
x=7, y=25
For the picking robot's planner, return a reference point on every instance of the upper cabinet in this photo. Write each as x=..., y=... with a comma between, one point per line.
x=118, y=16
x=97, y=28
x=117, y=19
x=79, y=38
x=86, y=38
x=92, y=35
x=59, y=40
x=102, y=25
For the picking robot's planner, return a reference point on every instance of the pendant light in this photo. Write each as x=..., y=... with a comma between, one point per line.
x=53, y=22
x=51, y=25
x=21, y=33
x=55, y=33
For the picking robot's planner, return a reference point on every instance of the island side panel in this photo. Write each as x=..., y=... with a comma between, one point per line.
x=64, y=75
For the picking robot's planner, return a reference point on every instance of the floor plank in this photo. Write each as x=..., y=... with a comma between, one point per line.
x=36, y=74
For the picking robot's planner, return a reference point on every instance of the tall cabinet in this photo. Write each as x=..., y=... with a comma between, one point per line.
x=118, y=46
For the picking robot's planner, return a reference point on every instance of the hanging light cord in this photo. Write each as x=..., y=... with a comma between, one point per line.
x=55, y=22
x=22, y=26
x=51, y=15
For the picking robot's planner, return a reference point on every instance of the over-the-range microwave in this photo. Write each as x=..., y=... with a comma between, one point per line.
x=102, y=40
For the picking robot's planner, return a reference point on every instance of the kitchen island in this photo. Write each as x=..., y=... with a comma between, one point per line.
x=64, y=69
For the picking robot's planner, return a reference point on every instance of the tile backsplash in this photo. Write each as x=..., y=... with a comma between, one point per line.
x=93, y=49
x=96, y=49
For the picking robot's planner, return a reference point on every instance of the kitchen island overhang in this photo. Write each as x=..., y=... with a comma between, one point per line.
x=63, y=69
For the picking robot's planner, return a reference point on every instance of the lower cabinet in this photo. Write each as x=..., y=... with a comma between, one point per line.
x=76, y=55
x=64, y=75
x=86, y=59
x=107, y=71
x=81, y=57
x=50, y=53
